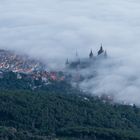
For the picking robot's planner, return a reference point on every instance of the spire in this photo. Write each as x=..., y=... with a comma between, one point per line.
x=77, y=57
x=91, y=54
x=105, y=54
x=101, y=50
x=101, y=47
x=67, y=62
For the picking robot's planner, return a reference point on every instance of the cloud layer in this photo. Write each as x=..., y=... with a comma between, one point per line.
x=56, y=29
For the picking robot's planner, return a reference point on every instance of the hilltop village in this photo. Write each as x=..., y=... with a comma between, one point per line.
x=10, y=61
x=22, y=68
x=33, y=69
x=23, y=65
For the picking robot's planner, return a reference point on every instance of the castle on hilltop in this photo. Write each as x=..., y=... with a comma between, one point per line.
x=86, y=62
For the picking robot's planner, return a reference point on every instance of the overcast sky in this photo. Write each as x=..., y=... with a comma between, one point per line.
x=57, y=28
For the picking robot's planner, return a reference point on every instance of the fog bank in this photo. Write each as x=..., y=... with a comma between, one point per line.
x=54, y=30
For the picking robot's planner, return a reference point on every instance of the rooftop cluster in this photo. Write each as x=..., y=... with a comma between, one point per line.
x=9, y=61
x=84, y=63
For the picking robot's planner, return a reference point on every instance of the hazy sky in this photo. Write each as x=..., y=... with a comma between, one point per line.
x=57, y=28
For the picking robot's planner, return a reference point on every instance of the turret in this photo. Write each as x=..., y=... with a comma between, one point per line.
x=67, y=62
x=91, y=55
x=77, y=58
x=101, y=50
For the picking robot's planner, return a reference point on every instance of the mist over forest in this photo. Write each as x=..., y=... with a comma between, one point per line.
x=52, y=31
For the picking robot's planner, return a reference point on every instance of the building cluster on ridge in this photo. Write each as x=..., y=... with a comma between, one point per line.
x=10, y=61
x=83, y=63
x=24, y=65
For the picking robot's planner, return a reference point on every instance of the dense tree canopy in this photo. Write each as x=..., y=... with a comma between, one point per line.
x=60, y=111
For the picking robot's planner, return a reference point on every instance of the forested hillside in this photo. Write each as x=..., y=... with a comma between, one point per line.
x=60, y=111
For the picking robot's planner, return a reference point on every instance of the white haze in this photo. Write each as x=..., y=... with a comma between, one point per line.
x=54, y=29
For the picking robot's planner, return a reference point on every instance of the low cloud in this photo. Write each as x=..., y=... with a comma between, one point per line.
x=57, y=28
